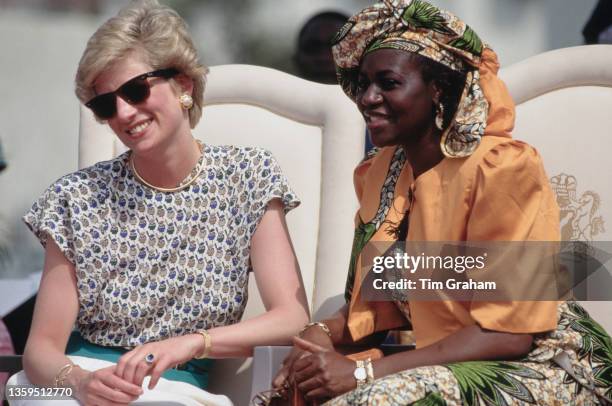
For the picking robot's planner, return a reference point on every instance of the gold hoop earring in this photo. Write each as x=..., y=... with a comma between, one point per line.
x=186, y=101
x=440, y=117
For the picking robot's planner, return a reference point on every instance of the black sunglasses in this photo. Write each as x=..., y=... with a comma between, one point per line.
x=134, y=91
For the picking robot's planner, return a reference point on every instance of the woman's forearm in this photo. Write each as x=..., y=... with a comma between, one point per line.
x=337, y=326
x=275, y=327
x=54, y=317
x=42, y=361
x=341, y=336
x=468, y=344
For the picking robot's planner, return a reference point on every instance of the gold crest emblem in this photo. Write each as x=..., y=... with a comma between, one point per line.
x=579, y=215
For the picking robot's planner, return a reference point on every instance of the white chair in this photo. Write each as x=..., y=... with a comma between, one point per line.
x=316, y=134
x=564, y=105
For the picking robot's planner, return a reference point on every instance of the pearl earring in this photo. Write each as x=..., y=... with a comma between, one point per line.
x=186, y=101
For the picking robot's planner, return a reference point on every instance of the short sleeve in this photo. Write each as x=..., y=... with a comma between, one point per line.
x=50, y=217
x=513, y=201
x=265, y=182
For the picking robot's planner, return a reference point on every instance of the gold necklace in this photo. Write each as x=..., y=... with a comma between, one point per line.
x=184, y=184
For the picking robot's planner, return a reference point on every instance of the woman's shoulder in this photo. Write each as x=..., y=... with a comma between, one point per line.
x=240, y=157
x=236, y=152
x=495, y=154
x=500, y=160
x=500, y=151
x=375, y=157
x=375, y=165
x=95, y=177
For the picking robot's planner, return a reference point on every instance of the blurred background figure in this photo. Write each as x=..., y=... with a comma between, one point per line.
x=598, y=29
x=6, y=344
x=2, y=160
x=313, y=58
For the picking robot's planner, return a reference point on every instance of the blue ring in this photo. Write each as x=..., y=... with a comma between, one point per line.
x=149, y=358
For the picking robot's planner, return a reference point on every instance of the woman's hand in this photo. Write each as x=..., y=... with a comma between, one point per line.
x=314, y=335
x=103, y=387
x=133, y=367
x=324, y=373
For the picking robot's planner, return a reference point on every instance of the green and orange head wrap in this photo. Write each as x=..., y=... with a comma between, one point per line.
x=417, y=26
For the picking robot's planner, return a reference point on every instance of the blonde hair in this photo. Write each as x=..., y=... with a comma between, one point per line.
x=150, y=29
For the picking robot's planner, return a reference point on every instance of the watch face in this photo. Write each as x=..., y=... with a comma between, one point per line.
x=360, y=374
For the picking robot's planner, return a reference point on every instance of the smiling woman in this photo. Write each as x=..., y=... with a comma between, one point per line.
x=447, y=170
x=149, y=253
x=402, y=93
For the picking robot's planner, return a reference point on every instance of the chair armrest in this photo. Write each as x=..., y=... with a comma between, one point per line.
x=266, y=362
x=11, y=363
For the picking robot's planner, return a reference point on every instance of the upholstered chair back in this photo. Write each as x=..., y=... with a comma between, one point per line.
x=564, y=109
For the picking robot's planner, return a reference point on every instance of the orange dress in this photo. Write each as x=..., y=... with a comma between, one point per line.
x=499, y=193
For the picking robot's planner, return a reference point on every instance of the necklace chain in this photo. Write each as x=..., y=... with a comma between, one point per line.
x=194, y=174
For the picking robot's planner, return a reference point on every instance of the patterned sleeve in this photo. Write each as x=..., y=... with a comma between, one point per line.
x=265, y=182
x=50, y=217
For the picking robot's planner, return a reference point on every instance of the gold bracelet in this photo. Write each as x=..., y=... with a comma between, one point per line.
x=369, y=370
x=322, y=326
x=63, y=373
x=207, y=344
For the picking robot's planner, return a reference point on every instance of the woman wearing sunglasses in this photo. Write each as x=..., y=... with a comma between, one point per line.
x=149, y=253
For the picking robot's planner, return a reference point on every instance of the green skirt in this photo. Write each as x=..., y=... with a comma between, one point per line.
x=194, y=372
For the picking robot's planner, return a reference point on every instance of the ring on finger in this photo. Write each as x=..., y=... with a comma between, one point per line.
x=149, y=358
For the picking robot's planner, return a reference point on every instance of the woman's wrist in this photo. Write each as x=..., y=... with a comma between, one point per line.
x=318, y=336
x=75, y=380
x=67, y=375
x=200, y=343
x=206, y=344
x=316, y=324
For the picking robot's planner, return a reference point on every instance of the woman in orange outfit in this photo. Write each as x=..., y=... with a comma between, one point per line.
x=447, y=170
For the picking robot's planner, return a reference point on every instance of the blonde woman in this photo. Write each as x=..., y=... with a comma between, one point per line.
x=149, y=253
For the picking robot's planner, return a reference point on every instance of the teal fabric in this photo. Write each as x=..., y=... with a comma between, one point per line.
x=194, y=372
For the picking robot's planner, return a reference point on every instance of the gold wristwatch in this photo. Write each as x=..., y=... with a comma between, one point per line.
x=364, y=372
x=360, y=373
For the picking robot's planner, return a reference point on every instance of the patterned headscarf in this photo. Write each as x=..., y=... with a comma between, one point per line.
x=421, y=28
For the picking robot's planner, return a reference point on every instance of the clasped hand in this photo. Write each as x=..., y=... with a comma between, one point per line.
x=121, y=383
x=321, y=373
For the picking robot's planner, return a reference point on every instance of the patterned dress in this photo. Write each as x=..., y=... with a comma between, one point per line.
x=534, y=380
x=152, y=265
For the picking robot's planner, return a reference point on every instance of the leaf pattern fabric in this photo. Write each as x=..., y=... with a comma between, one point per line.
x=533, y=380
x=365, y=231
x=420, y=14
x=363, y=234
x=488, y=382
x=595, y=348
